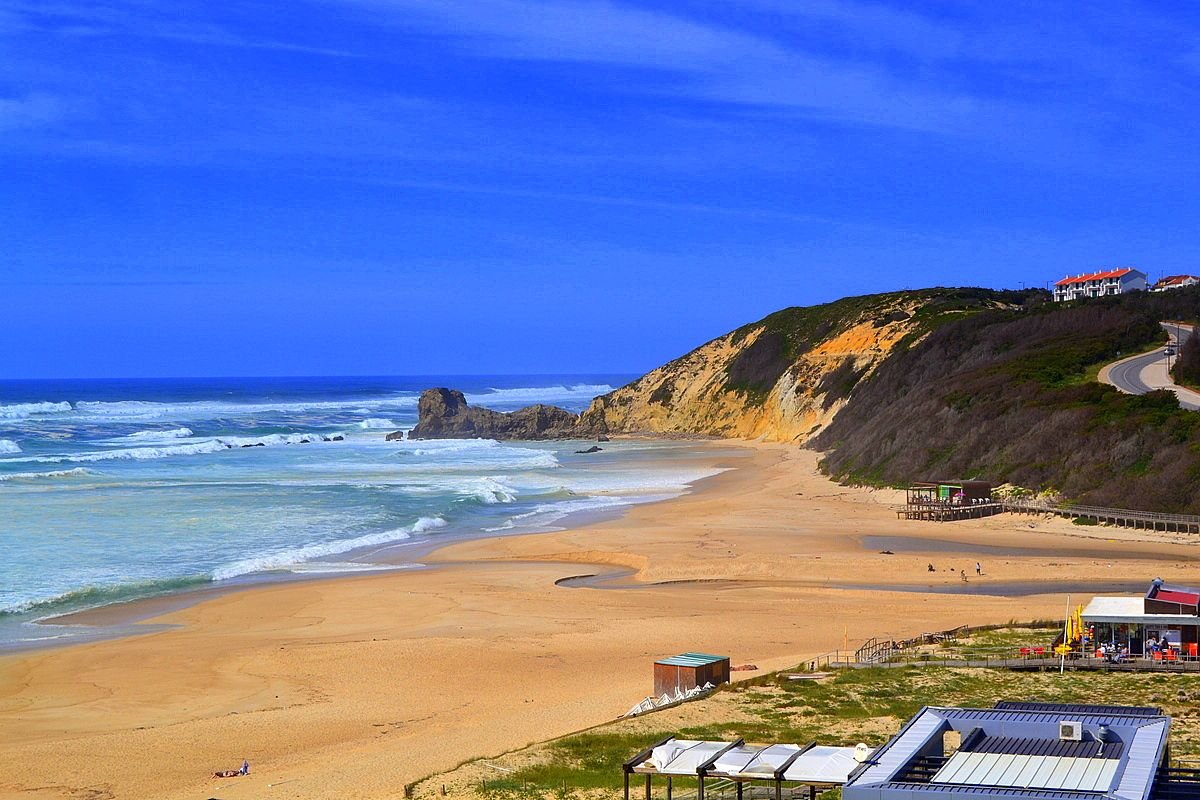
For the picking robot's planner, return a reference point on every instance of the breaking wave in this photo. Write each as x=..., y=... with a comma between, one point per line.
x=374, y=423
x=282, y=559
x=33, y=476
x=142, y=436
x=93, y=596
x=578, y=393
x=190, y=449
x=24, y=410
x=9, y=446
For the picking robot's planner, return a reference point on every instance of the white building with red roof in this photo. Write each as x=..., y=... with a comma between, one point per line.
x=1100, y=284
x=1174, y=282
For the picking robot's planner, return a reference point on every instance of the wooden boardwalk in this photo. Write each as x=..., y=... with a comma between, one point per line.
x=1032, y=664
x=1145, y=520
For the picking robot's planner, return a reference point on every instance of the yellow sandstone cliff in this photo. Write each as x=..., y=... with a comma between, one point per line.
x=783, y=378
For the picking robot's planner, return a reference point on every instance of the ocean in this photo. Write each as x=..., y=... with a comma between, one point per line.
x=112, y=490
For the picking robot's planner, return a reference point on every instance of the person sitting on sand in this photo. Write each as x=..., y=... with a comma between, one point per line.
x=963, y=574
x=931, y=569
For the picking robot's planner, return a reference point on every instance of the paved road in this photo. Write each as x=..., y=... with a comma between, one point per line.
x=1131, y=375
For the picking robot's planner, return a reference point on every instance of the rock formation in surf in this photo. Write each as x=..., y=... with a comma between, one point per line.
x=444, y=414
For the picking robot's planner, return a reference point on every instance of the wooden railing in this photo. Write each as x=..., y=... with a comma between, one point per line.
x=1116, y=516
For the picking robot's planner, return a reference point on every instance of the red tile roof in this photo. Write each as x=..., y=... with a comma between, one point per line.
x=1095, y=276
x=1171, y=280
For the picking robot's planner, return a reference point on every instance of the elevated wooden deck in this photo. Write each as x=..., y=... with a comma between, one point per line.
x=946, y=512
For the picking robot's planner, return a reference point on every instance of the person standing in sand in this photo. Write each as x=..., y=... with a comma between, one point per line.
x=978, y=568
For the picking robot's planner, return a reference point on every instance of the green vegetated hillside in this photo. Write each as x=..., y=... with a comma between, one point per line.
x=784, y=377
x=1010, y=395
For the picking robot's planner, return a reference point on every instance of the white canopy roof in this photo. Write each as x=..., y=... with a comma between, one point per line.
x=755, y=762
x=683, y=756
x=822, y=764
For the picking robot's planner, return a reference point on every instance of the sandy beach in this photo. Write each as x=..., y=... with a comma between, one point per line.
x=356, y=686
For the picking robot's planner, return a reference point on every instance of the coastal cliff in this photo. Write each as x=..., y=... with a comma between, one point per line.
x=785, y=377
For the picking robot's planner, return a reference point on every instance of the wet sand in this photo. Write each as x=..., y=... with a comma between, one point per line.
x=354, y=686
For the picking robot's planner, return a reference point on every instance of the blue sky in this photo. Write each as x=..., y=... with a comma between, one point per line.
x=490, y=186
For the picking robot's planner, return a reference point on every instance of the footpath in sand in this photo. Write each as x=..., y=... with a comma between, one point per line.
x=354, y=687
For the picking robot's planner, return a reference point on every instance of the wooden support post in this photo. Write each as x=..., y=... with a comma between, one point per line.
x=700, y=788
x=739, y=790
x=648, y=779
x=778, y=789
x=669, y=787
x=626, y=786
x=812, y=792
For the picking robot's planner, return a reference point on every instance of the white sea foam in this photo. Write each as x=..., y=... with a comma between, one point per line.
x=145, y=411
x=154, y=436
x=487, y=453
x=204, y=447
x=24, y=410
x=33, y=476
x=286, y=558
x=582, y=392
x=548, y=513
x=8, y=446
x=374, y=423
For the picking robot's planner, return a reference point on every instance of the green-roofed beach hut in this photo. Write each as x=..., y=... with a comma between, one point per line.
x=684, y=671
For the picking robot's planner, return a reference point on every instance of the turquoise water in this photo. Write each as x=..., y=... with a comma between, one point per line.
x=111, y=490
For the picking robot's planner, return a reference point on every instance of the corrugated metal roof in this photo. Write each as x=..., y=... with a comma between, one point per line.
x=1014, y=745
x=894, y=755
x=1027, y=771
x=691, y=660
x=1079, y=708
x=1144, y=754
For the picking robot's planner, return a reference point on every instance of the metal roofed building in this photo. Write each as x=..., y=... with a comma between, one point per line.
x=689, y=670
x=1040, y=751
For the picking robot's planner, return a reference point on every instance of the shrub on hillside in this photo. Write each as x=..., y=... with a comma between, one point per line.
x=1005, y=396
x=1186, y=370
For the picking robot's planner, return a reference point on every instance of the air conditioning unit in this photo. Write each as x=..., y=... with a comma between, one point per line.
x=1070, y=731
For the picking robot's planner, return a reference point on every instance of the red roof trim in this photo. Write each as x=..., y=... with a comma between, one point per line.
x=1095, y=276
x=1186, y=598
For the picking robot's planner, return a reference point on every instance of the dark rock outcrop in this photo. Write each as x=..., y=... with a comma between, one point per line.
x=444, y=414
x=592, y=449
x=395, y=436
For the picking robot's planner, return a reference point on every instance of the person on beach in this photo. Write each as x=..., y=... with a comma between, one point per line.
x=962, y=573
x=245, y=770
x=931, y=569
x=978, y=568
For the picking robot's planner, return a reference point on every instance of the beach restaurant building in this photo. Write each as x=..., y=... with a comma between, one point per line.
x=1166, y=613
